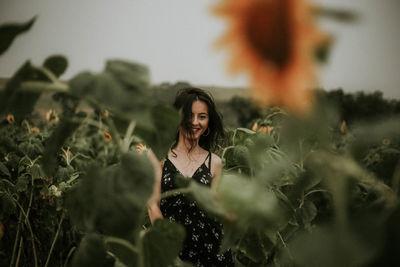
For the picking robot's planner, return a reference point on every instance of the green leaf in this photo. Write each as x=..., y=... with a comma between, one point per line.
x=112, y=200
x=122, y=87
x=249, y=201
x=92, y=252
x=308, y=212
x=239, y=200
x=162, y=243
x=206, y=198
x=56, y=64
x=329, y=247
x=160, y=135
x=8, y=32
x=4, y=169
x=132, y=75
x=7, y=205
x=13, y=100
x=36, y=171
x=252, y=246
x=22, y=183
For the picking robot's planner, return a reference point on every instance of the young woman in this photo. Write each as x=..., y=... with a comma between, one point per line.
x=190, y=156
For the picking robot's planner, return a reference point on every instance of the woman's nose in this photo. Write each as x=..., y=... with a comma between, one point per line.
x=195, y=120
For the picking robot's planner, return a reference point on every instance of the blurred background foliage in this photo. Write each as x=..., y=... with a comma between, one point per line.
x=320, y=190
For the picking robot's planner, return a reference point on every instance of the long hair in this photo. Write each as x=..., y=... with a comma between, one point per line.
x=183, y=102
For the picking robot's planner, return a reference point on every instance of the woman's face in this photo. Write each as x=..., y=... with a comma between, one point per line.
x=199, y=118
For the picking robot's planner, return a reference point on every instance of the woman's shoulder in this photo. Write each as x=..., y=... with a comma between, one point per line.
x=215, y=158
x=216, y=162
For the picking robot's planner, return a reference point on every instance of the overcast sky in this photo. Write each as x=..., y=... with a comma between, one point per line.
x=174, y=38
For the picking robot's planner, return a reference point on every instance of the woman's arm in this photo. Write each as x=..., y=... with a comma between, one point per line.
x=153, y=204
x=216, y=169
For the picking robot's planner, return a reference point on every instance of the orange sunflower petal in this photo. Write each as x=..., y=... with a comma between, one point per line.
x=274, y=41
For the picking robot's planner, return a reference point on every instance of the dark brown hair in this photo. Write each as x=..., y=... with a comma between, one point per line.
x=183, y=102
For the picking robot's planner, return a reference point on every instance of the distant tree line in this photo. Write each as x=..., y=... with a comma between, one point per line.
x=240, y=111
x=363, y=106
x=351, y=107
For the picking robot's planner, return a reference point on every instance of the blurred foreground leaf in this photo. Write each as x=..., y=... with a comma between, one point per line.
x=8, y=32
x=92, y=253
x=162, y=130
x=17, y=102
x=162, y=243
x=112, y=200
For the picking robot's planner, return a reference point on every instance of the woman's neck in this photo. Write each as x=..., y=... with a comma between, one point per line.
x=184, y=146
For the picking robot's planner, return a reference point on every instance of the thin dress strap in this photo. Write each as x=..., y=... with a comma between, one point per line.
x=209, y=160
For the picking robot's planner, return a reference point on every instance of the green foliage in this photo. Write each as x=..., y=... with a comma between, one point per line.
x=294, y=191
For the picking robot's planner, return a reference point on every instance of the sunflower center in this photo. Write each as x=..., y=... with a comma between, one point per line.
x=268, y=31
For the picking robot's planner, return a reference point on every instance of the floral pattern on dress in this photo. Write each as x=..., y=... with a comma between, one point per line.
x=203, y=233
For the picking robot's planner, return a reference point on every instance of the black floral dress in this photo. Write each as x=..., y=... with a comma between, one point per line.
x=203, y=234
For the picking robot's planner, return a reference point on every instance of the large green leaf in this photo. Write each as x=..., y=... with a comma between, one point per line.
x=160, y=134
x=239, y=200
x=122, y=87
x=134, y=76
x=327, y=246
x=4, y=170
x=248, y=201
x=8, y=32
x=251, y=244
x=15, y=101
x=112, y=200
x=162, y=243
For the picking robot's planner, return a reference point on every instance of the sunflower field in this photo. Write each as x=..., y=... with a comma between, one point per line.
x=299, y=187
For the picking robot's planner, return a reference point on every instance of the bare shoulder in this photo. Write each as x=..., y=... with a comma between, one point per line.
x=215, y=159
x=216, y=165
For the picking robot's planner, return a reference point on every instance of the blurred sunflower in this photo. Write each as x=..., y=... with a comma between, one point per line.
x=140, y=148
x=275, y=42
x=35, y=130
x=52, y=116
x=106, y=113
x=10, y=118
x=107, y=137
x=343, y=126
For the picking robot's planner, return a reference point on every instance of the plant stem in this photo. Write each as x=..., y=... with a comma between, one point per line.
x=126, y=142
x=301, y=154
x=19, y=251
x=71, y=251
x=224, y=151
x=284, y=245
x=16, y=238
x=29, y=227
x=55, y=239
x=41, y=87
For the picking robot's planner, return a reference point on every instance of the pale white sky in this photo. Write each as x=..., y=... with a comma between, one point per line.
x=174, y=39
